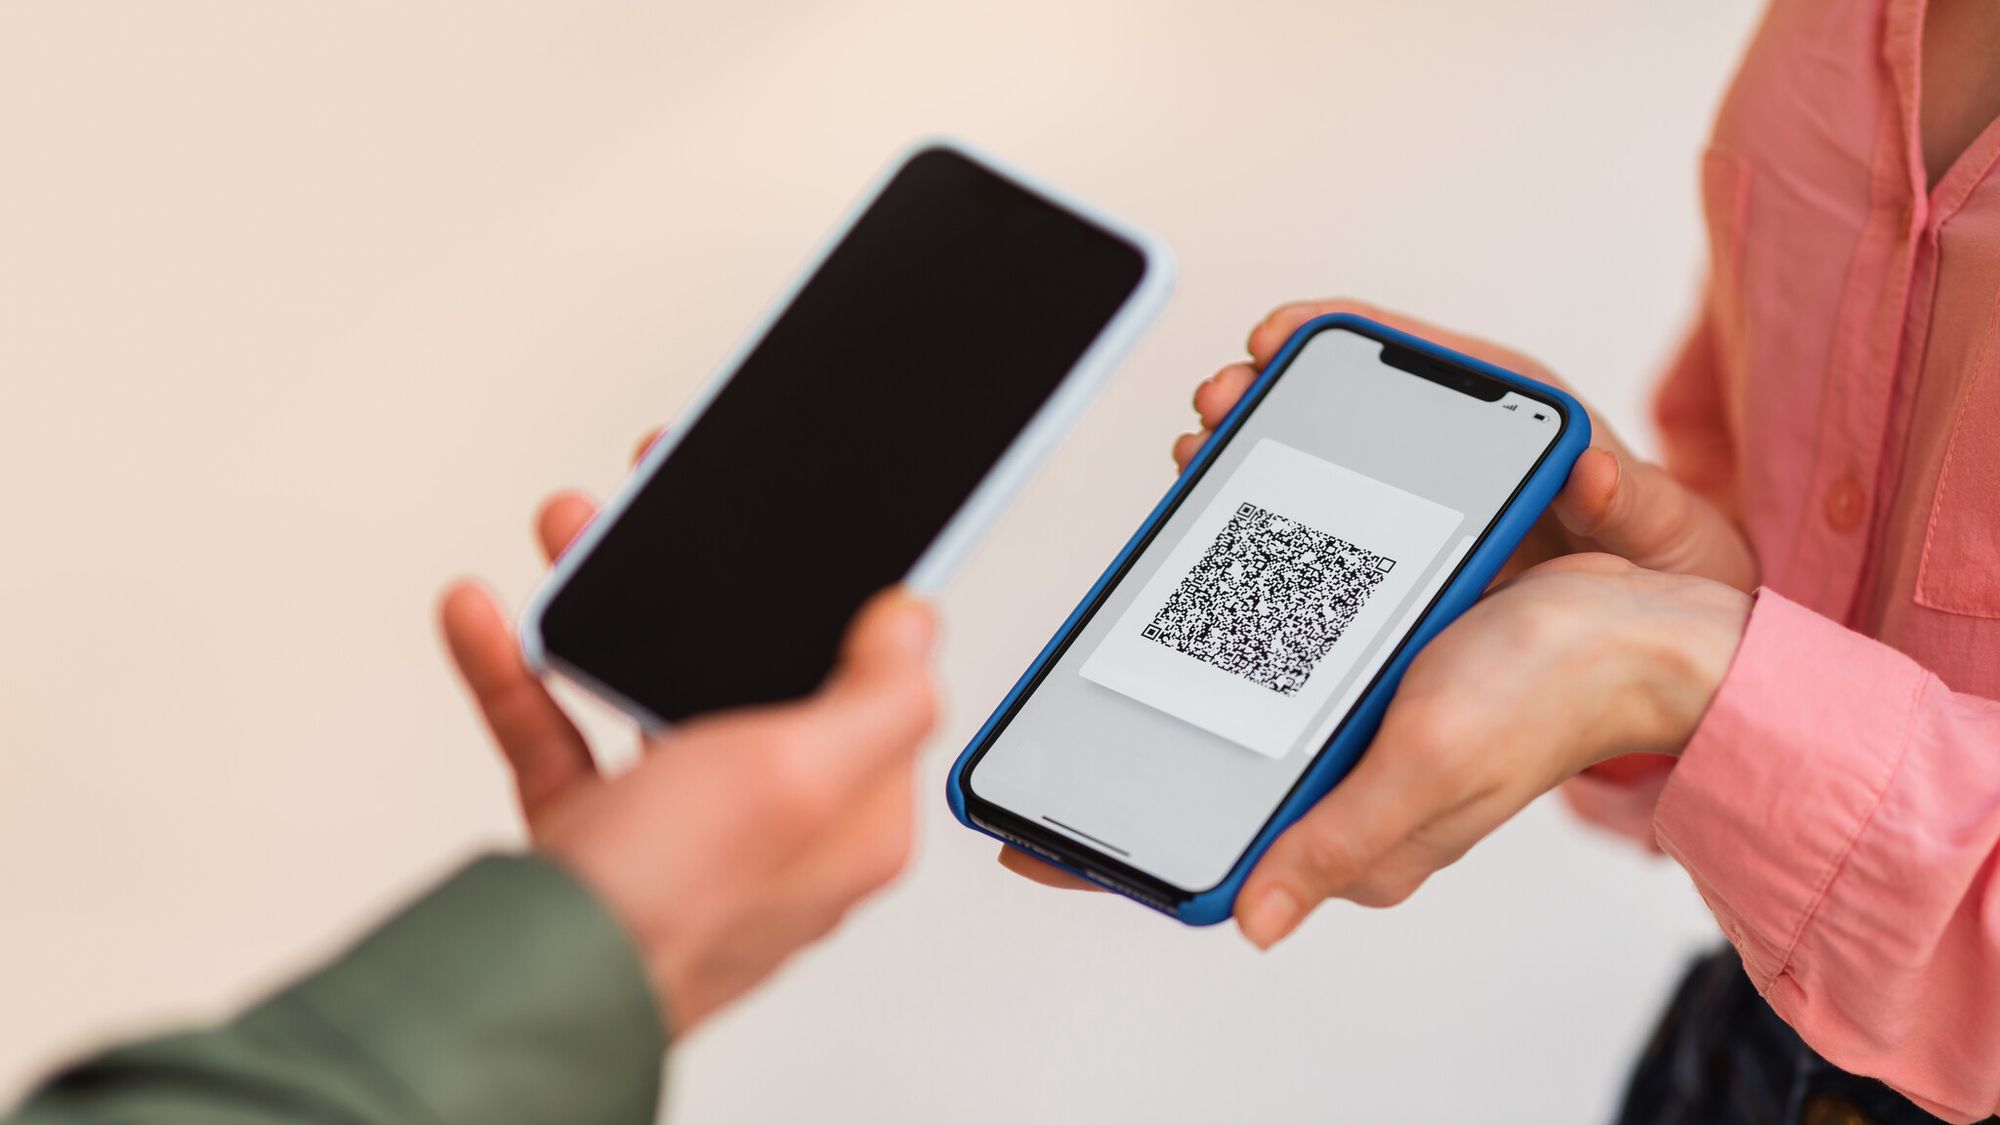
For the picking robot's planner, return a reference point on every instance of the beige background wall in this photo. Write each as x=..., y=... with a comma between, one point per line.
x=303, y=305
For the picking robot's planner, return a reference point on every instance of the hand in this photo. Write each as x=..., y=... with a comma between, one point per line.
x=1613, y=502
x=1578, y=660
x=738, y=838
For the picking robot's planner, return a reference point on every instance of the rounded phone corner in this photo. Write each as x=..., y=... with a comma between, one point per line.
x=954, y=795
x=1324, y=322
x=1162, y=268
x=1211, y=909
x=1575, y=415
x=534, y=647
x=1156, y=283
x=925, y=144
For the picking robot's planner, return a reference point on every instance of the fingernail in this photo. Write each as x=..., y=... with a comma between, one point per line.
x=913, y=625
x=1271, y=917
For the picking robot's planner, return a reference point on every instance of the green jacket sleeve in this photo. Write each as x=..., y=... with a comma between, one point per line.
x=507, y=996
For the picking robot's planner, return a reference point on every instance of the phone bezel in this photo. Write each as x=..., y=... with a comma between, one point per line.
x=1109, y=871
x=1120, y=332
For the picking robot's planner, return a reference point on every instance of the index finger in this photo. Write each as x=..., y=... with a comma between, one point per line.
x=541, y=744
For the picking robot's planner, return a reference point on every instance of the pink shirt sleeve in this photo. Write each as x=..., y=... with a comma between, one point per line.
x=1839, y=809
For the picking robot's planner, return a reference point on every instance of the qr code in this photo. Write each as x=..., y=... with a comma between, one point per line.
x=1268, y=599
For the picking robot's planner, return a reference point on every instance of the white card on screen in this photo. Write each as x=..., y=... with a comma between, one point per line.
x=1263, y=609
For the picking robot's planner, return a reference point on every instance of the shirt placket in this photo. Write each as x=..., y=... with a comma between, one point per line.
x=1870, y=351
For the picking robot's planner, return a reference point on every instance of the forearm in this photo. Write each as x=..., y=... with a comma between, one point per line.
x=1839, y=808
x=506, y=995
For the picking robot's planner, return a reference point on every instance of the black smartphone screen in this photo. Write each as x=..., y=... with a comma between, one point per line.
x=843, y=443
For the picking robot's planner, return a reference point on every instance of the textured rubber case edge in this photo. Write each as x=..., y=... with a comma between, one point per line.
x=1345, y=747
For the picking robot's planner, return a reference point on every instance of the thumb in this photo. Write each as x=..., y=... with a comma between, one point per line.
x=1636, y=510
x=889, y=638
x=880, y=696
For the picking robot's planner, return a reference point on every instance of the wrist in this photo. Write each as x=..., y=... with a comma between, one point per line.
x=1690, y=641
x=622, y=892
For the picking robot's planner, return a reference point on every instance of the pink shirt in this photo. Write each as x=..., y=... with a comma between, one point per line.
x=1839, y=806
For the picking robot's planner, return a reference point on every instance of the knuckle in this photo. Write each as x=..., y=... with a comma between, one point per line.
x=888, y=857
x=795, y=788
x=792, y=798
x=1435, y=730
x=1326, y=861
x=1383, y=892
x=1267, y=327
x=1564, y=622
x=1537, y=632
x=1227, y=384
x=790, y=737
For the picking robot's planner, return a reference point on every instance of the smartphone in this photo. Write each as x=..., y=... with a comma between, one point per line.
x=1235, y=659
x=877, y=418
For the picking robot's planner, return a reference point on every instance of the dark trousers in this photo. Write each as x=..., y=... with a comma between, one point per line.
x=1721, y=1056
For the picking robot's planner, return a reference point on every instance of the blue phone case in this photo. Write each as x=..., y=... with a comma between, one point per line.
x=1340, y=754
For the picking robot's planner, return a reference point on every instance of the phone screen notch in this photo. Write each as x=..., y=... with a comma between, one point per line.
x=1464, y=380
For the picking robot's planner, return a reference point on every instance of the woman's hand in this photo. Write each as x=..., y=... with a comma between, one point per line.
x=1614, y=502
x=738, y=838
x=1573, y=662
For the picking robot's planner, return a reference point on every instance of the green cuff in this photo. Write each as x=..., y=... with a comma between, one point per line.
x=509, y=994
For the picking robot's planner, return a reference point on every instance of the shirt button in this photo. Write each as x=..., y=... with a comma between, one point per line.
x=1831, y=1109
x=1843, y=504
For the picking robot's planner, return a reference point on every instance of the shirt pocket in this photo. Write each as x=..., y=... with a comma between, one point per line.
x=1960, y=568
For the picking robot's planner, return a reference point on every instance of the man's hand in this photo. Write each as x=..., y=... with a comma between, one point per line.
x=739, y=837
